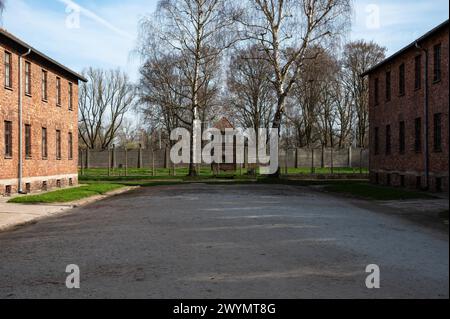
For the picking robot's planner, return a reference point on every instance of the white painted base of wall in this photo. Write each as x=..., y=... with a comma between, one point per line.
x=15, y=181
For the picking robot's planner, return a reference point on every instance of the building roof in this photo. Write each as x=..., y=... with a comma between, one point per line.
x=26, y=47
x=223, y=124
x=411, y=45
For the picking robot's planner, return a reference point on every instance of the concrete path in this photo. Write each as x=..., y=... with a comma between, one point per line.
x=16, y=215
x=225, y=241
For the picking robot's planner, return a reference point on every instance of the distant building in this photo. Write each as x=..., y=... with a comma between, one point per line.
x=222, y=125
x=38, y=119
x=409, y=142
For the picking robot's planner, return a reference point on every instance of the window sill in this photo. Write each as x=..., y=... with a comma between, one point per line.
x=44, y=100
x=58, y=105
x=44, y=158
x=28, y=158
x=436, y=81
x=28, y=94
x=9, y=88
x=8, y=157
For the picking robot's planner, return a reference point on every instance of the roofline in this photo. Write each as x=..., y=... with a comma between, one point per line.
x=40, y=54
x=411, y=45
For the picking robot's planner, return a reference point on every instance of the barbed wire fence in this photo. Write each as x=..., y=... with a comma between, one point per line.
x=153, y=162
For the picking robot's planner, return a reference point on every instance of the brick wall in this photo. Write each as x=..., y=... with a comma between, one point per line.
x=408, y=169
x=38, y=114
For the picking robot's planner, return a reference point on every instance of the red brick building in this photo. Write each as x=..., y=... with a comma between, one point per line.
x=409, y=128
x=38, y=119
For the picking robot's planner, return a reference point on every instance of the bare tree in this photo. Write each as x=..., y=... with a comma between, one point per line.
x=162, y=91
x=286, y=29
x=198, y=32
x=103, y=102
x=251, y=97
x=358, y=57
x=344, y=110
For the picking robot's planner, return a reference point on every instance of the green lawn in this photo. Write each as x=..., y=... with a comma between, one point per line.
x=143, y=173
x=67, y=195
x=374, y=192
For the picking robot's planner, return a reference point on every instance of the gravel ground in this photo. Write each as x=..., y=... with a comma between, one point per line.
x=225, y=241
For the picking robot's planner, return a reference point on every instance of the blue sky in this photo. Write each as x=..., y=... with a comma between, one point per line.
x=107, y=28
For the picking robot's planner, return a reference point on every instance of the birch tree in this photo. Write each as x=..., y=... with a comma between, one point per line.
x=286, y=29
x=198, y=31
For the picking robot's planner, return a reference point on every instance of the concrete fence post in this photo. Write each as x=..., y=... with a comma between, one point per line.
x=153, y=163
x=109, y=161
x=126, y=161
x=332, y=160
x=322, y=160
x=312, y=161
x=87, y=158
x=113, y=157
x=296, y=157
x=166, y=159
x=350, y=157
x=360, y=160
x=81, y=163
x=286, y=161
x=139, y=163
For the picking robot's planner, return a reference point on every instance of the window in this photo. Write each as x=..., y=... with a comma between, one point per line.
x=8, y=70
x=438, y=132
x=44, y=85
x=28, y=78
x=44, y=144
x=418, y=135
x=437, y=62
x=376, y=141
x=70, y=96
x=388, y=86
x=401, y=79
x=418, y=72
x=58, y=91
x=27, y=141
x=8, y=139
x=58, y=144
x=388, y=139
x=401, y=137
x=377, y=91
x=44, y=185
x=70, y=146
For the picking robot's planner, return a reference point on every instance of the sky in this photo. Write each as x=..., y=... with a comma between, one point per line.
x=102, y=33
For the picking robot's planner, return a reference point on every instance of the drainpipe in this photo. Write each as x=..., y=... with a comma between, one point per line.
x=426, y=108
x=21, y=120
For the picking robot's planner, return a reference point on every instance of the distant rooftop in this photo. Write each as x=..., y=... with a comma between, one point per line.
x=27, y=47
